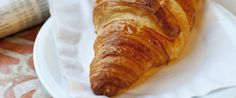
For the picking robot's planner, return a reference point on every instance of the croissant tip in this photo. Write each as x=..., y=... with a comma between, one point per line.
x=106, y=90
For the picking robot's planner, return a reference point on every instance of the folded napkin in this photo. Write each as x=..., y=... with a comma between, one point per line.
x=206, y=64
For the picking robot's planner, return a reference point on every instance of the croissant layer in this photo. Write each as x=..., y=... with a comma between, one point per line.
x=134, y=36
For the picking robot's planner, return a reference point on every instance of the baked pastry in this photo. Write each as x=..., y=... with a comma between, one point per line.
x=134, y=36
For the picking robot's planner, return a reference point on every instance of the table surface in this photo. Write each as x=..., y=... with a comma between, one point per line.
x=17, y=74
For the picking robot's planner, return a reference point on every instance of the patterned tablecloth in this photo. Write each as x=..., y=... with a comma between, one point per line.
x=17, y=74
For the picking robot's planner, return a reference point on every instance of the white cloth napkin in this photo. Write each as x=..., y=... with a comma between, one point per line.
x=206, y=64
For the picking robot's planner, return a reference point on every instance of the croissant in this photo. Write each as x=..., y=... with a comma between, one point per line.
x=134, y=36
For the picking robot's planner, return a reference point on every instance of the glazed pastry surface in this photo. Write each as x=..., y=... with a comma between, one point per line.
x=134, y=36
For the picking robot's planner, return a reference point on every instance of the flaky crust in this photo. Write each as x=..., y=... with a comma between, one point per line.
x=135, y=35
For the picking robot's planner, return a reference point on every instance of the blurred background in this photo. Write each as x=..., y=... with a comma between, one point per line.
x=20, y=21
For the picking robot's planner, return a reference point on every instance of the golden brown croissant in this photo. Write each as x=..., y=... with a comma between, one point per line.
x=135, y=35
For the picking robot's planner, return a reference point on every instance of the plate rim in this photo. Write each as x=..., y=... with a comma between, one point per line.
x=45, y=77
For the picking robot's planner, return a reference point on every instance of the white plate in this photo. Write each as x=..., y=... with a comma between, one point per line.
x=48, y=71
x=45, y=60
